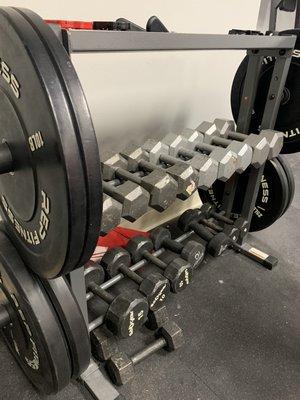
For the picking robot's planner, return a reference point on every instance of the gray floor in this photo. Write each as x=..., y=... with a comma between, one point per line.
x=242, y=329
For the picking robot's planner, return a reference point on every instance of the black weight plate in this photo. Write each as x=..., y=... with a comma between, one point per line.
x=84, y=129
x=43, y=202
x=272, y=199
x=34, y=335
x=72, y=321
x=288, y=119
x=290, y=178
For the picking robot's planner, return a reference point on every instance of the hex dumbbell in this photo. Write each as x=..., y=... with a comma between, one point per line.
x=216, y=244
x=111, y=214
x=161, y=186
x=185, y=176
x=121, y=366
x=134, y=198
x=193, y=252
x=267, y=144
x=225, y=159
x=207, y=133
x=103, y=344
x=177, y=271
x=155, y=287
x=126, y=313
x=207, y=168
x=93, y=273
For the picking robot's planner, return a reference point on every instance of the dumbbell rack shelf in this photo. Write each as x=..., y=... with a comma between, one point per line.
x=257, y=47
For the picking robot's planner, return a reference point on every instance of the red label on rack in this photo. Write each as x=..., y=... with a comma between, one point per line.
x=118, y=237
x=64, y=24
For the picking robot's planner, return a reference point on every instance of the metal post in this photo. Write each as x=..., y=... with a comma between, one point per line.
x=77, y=283
x=278, y=80
x=244, y=119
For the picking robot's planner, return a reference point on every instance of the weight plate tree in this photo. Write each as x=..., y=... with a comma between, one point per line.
x=274, y=196
x=51, y=199
x=30, y=324
x=288, y=119
x=71, y=319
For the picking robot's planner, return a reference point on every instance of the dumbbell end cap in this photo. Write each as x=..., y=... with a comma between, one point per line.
x=173, y=335
x=120, y=368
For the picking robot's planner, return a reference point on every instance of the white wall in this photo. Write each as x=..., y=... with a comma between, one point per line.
x=151, y=93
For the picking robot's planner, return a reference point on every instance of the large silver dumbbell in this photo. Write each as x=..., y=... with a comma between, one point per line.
x=225, y=160
x=273, y=138
x=207, y=133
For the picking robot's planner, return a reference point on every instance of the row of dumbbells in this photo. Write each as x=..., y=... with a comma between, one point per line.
x=157, y=172
x=130, y=310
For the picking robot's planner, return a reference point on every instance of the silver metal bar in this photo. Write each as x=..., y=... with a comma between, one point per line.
x=81, y=41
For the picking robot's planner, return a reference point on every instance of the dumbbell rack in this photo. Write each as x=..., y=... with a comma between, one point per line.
x=257, y=47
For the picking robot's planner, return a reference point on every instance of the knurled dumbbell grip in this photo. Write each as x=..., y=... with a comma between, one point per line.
x=127, y=176
x=131, y=274
x=148, y=350
x=156, y=261
x=204, y=147
x=220, y=141
x=201, y=231
x=103, y=294
x=173, y=245
x=236, y=135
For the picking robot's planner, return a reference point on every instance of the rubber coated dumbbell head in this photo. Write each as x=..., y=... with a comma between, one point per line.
x=155, y=287
x=103, y=344
x=93, y=273
x=187, y=218
x=179, y=273
x=206, y=210
x=126, y=313
x=120, y=369
x=137, y=245
x=173, y=335
x=113, y=259
x=156, y=319
x=193, y=252
x=218, y=244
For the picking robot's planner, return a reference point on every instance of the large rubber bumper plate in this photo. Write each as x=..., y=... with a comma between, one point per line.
x=72, y=321
x=34, y=336
x=84, y=128
x=273, y=196
x=44, y=201
x=288, y=119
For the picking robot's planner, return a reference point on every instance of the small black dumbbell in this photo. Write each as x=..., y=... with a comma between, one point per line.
x=121, y=367
x=193, y=252
x=155, y=287
x=156, y=319
x=178, y=271
x=103, y=344
x=266, y=260
x=93, y=273
x=216, y=244
x=207, y=210
x=126, y=313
